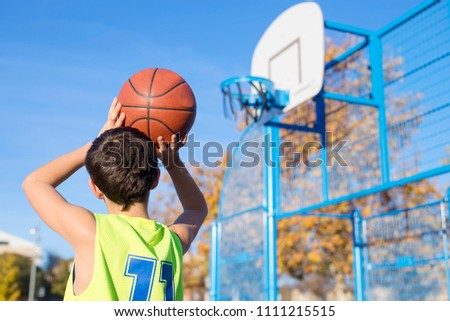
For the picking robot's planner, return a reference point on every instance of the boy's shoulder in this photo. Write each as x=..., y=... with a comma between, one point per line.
x=148, y=229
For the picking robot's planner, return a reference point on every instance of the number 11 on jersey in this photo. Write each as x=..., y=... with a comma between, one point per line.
x=142, y=269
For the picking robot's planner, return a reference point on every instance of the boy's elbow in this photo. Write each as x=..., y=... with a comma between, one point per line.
x=27, y=182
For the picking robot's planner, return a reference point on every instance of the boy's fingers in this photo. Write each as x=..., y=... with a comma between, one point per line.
x=115, y=113
x=162, y=145
x=173, y=142
x=183, y=141
x=113, y=104
x=120, y=120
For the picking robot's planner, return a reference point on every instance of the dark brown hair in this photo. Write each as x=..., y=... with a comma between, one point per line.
x=122, y=163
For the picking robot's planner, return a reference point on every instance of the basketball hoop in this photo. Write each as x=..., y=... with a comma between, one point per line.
x=256, y=96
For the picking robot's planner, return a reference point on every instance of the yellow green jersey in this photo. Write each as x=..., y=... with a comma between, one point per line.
x=136, y=259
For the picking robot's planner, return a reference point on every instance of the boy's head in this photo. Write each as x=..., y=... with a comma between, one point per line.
x=122, y=164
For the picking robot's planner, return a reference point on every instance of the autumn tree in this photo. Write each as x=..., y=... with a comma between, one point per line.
x=15, y=277
x=166, y=207
x=9, y=278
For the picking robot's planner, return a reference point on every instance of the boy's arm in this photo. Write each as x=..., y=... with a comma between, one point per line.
x=72, y=222
x=195, y=209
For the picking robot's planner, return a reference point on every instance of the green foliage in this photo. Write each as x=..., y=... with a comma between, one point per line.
x=56, y=277
x=9, y=271
x=14, y=277
x=60, y=276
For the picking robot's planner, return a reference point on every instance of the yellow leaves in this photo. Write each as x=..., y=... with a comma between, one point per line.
x=167, y=208
x=9, y=278
x=314, y=257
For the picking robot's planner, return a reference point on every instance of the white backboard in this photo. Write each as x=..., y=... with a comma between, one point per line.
x=291, y=52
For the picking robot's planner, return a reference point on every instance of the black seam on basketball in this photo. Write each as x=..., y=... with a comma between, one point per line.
x=155, y=119
x=149, y=98
x=183, y=82
x=186, y=109
x=137, y=92
x=151, y=83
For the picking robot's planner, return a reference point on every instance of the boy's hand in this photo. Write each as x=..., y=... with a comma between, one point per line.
x=114, y=118
x=168, y=152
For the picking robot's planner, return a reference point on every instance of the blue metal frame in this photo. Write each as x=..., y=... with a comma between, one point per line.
x=445, y=217
x=292, y=127
x=358, y=262
x=351, y=99
x=272, y=206
x=321, y=121
x=376, y=63
x=213, y=260
x=349, y=29
x=376, y=189
x=347, y=54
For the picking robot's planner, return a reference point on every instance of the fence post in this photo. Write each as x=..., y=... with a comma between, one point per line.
x=377, y=79
x=213, y=263
x=358, y=269
x=321, y=123
x=272, y=201
x=444, y=217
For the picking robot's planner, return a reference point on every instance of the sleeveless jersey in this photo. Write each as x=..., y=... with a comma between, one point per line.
x=136, y=259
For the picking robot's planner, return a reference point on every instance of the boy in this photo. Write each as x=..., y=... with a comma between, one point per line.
x=123, y=255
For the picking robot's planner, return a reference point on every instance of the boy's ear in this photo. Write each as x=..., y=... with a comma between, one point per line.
x=155, y=182
x=96, y=190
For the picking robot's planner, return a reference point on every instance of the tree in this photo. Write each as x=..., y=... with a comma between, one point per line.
x=15, y=277
x=56, y=276
x=167, y=208
x=10, y=289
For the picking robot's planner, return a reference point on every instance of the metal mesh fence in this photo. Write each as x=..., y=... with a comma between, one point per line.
x=416, y=57
x=241, y=260
x=243, y=182
x=405, y=255
x=240, y=265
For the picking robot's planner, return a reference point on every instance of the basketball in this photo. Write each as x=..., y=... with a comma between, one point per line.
x=158, y=102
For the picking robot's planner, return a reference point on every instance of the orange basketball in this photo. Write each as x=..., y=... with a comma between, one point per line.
x=158, y=102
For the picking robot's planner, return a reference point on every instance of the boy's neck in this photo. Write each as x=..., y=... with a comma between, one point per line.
x=135, y=210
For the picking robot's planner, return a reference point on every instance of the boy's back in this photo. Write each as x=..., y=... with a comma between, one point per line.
x=123, y=255
x=135, y=259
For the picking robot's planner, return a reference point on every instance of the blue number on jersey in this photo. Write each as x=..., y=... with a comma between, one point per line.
x=142, y=270
x=166, y=277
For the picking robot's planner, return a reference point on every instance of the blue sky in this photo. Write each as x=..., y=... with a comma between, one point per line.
x=62, y=62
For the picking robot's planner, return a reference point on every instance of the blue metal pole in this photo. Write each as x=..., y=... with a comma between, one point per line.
x=218, y=289
x=444, y=217
x=213, y=263
x=358, y=256
x=321, y=123
x=350, y=99
x=376, y=66
x=350, y=29
x=272, y=197
x=376, y=189
x=366, y=266
x=346, y=54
